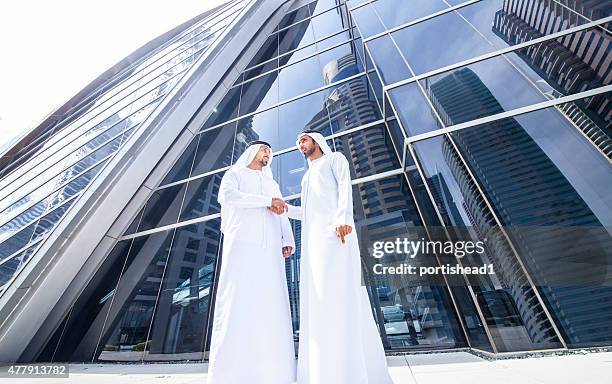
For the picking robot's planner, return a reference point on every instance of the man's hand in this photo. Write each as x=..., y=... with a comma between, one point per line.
x=287, y=251
x=278, y=206
x=343, y=230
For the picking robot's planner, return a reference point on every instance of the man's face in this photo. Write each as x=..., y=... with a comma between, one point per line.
x=263, y=155
x=307, y=145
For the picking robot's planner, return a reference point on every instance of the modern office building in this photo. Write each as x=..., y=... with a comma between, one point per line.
x=476, y=120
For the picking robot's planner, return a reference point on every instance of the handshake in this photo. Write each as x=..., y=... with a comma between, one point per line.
x=278, y=206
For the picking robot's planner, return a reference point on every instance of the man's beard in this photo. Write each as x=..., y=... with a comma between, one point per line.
x=308, y=152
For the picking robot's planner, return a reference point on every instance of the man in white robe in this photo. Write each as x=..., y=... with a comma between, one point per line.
x=339, y=342
x=252, y=335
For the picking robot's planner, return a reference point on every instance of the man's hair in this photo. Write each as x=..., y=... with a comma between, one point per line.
x=259, y=142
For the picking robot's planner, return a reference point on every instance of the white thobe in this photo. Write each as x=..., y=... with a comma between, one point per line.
x=339, y=341
x=252, y=336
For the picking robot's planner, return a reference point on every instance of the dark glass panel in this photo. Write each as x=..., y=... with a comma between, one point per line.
x=226, y=110
x=214, y=149
x=259, y=93
x=181, y=169
x=162, y=208
x=201, y=197
x=181, y=318
x=411, y=311
x=294, y=17
x=296, y=37
x=127, y=326
x=86, y=317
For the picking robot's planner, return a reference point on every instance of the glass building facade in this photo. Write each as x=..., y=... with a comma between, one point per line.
x=489, y=119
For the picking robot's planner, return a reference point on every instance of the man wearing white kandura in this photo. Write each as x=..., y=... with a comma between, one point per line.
x=339, y=340
x=252, y=338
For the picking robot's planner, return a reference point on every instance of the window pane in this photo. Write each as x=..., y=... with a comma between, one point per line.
x=124, y=336
x=259, y=93
x=162, y=208
x=201, y=197
x=214, y=149
x=181, y=317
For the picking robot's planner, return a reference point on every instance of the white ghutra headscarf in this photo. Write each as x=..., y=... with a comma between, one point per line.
x=318, y=138
x=249, y=154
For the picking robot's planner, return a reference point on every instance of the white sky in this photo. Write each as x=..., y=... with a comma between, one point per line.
x=52, y=49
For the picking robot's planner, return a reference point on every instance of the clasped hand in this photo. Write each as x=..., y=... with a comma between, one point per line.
x=278, y=206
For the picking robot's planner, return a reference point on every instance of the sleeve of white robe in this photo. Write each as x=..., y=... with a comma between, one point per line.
x=230, y=195
x=340, y=167
x=287, y=233
x=294, y=212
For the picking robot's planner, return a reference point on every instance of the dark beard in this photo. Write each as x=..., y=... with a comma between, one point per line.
x=308, y=153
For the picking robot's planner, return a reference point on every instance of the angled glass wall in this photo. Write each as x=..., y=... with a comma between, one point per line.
x=40, y=185
x=487, y=120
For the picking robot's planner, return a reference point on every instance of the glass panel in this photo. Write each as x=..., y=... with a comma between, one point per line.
x=226, y=110
x=259, y=93
x=388, y=60
x=181, y=317
x=300, y=78
x=319, y=6
x=329, y=22
x=411, y=310
x=479, y=90
x=505, y=293
x=394, y=13
x=428, y=45
x=414, y=112
x=201, y=197
x=86, y=317
x=124, y=335
x=214, y=149
x=181, y=169
x=262, y=126
x=8, y=268
x=307, y=112
x=163, y=207
x=351, y=103
x=294, y=16
x=369, y=151
x=367, y=21
x=288, y=170
x=266, y=52
x=296, y=37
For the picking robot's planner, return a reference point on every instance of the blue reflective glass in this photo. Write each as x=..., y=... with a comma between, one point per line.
x=388, y=60
x=296, y=37
x=261, y=126
x=482, y=89
x=163, y=207
x=329, y=22
x=300, y=78
x=413, y=110
x=259, y=93
x=181, y=317
x=201, y=197
x=394, y=13
x=305, y=113
x=214, y=149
